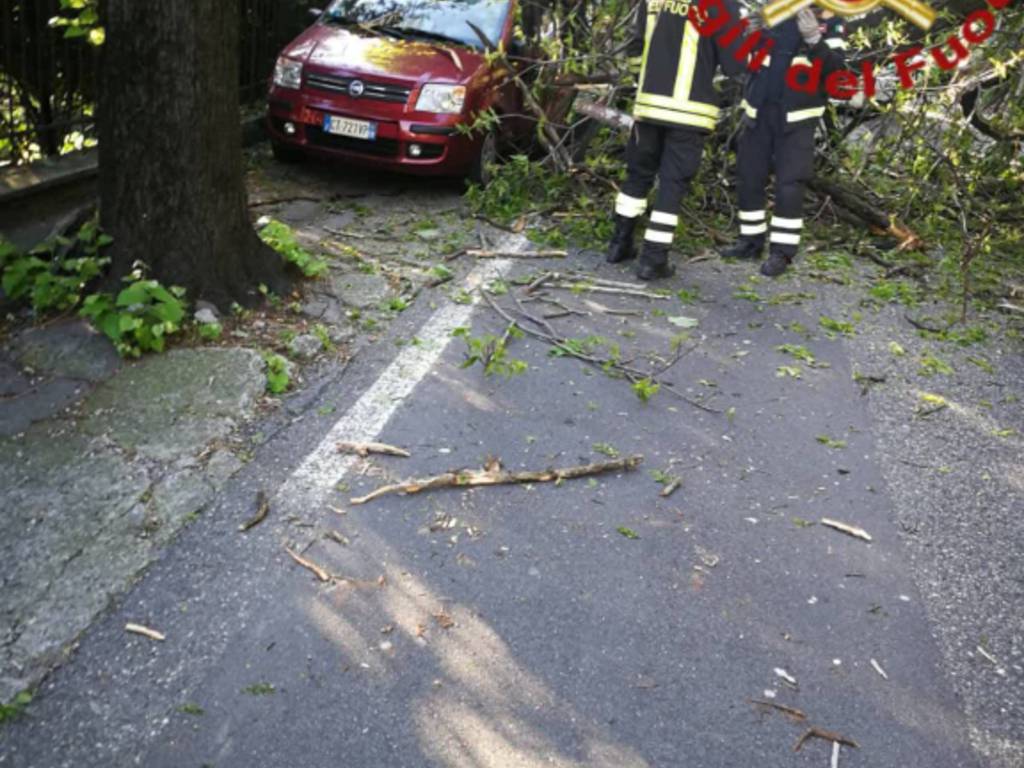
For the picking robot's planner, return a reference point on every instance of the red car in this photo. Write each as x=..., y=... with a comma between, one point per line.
x=385, y=83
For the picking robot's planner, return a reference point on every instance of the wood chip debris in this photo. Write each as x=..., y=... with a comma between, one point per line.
x=879, y=670
x=814, y=732
x=493, y=474
x=365, y=449
x=849, y=530
x=786, y=677
x=671, y=488
x=319, y=572
x=444, y=621
x=262, y=510
x=791, y=712
x=337, y=538
x=138, y=629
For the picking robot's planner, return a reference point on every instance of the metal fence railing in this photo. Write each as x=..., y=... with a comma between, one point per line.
x=48, y=84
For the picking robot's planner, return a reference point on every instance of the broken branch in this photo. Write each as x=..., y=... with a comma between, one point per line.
x=814, y=732
x=262, y=509
x=479, y=253
x=792, y=712
x=365, y=449
x=319, y=572
x=493, y=474
x=138, y=629
x=849, y=530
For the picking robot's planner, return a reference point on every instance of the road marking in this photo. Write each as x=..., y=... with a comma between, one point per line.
x=314, y=478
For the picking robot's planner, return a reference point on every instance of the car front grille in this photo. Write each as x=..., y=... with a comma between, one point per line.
x=316, y=136
x=398, y=94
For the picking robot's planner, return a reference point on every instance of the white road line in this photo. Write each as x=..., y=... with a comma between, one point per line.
x=314, y=478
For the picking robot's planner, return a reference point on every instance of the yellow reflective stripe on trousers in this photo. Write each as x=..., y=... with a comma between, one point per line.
x=675, y=117
x=804, y=114
x=630, y=207
x=658, y=236
x=670, y=102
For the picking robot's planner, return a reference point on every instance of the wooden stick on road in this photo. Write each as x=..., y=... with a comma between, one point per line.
x=493, y=474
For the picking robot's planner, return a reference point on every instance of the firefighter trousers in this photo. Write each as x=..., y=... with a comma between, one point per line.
x=770, y=144
x=670, y=154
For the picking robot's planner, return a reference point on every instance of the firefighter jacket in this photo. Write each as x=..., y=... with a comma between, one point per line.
x=677, y=65
x=768, y=83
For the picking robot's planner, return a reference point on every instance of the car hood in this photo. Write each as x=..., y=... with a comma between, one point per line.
x=332, y=48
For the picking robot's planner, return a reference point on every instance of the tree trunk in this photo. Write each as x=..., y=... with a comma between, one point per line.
x=172, y=191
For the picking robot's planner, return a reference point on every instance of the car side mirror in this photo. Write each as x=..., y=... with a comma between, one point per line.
x=315, y=13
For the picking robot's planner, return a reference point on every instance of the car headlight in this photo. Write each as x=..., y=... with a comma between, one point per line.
x=436, y=97
x=288, y=73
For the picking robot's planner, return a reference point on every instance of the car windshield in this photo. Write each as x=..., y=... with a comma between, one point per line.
x=440, y=19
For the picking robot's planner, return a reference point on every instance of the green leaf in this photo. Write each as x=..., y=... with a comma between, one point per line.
x=629, y=533
x=681, y=321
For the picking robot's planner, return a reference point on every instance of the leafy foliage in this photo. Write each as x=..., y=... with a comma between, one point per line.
x=140, y=318
x=80, y=18
x=16, y=708
x=492, y=352
x=281, y=238
x=52, y=276
x=278, y=378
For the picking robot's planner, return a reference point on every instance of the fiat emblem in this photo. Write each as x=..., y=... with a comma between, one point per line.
x=356, y=88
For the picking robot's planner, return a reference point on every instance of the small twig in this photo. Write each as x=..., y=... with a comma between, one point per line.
x=596, y=288
x=284, y=199
x=814, y=732
x=319, y=572
x=138, y=629
x=478, y=253
x=336, y=537
x=597, y=307
x=262, y=509
x=919, y=325
x=849, y=530
x=878, y=668
x=671, y=488
x=792, y=712
x=538, y=282
x=493, y=474
x=365, y=449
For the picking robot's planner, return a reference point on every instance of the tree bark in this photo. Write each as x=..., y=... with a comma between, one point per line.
x=172, y=192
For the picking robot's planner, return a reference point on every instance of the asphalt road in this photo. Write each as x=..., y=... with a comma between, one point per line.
x=589, y=623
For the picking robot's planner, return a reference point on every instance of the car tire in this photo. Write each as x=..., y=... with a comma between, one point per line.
x=487, y=154
x=284, y=153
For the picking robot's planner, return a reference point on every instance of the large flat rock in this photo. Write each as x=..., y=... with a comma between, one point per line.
x=87, y=504
x=174, y=404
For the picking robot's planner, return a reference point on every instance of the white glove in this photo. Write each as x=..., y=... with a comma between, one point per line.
x=807, y=22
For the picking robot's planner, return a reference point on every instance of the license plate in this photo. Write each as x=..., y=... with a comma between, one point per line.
x=346, y=126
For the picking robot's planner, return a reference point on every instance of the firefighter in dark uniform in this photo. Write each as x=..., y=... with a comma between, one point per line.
x=676, y=107
x=778, y=134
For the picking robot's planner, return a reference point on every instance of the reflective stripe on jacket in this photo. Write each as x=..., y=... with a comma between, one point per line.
x=799, y=106
x=677, y=65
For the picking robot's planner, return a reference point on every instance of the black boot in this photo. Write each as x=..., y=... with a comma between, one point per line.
x=776, y=263
x=745, y=247
x=621, y=247
x=654, y=262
